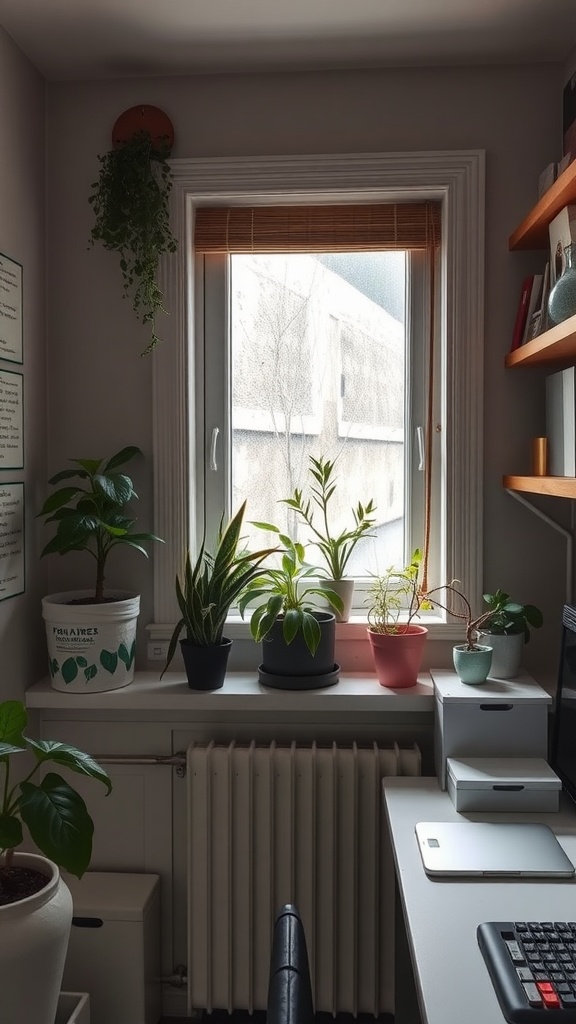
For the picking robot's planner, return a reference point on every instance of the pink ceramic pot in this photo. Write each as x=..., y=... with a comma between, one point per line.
x=398, y=656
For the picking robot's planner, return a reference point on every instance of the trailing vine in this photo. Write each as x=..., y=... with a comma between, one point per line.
x=130, y=203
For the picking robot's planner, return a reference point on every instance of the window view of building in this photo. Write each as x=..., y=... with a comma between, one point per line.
x=319, y=367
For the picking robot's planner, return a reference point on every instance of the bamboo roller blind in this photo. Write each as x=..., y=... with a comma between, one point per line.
x=352, y=228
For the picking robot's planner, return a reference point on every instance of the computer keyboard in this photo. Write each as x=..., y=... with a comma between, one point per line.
x=532, y=965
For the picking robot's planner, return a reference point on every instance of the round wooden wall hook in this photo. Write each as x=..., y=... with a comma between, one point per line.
x=143, y=118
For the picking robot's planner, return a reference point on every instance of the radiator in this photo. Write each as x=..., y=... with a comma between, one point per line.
x=301, y=824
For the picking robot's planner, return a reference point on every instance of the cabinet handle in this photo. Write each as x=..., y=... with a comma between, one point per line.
x=496, y=707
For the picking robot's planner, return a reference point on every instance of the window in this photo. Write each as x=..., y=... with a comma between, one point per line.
x=454, y=179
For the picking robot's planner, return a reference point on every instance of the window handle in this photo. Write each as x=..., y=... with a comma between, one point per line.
x=213, y=443
x=420, y=443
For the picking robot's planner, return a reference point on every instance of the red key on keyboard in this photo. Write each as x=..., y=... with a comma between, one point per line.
x=549, y=996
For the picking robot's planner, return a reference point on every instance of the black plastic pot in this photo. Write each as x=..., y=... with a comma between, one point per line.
x=206, y=666
x=292, y=666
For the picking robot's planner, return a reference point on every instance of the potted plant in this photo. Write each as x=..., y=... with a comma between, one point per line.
x=472, y=660
x=92, y=633
x=130, y=201
x=334, y=549
x=396, y=641
x=205, y=595
x=35, y=903
x=298, y=640
x=506, y=630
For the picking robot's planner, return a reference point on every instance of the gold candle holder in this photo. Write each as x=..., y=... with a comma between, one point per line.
x=540, y=456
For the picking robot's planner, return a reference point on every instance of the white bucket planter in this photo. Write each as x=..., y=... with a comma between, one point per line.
x=91, y=647
x=34, y=937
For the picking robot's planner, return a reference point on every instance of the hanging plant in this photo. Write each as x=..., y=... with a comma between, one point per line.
x=130, y=203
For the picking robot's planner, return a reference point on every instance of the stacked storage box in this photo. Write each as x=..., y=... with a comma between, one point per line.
x=475, y=727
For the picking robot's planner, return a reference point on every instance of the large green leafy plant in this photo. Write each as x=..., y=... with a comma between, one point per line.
x=508, y=617
x=92, y=515
x=210, y=586
x=286, y=593
x=54, y=813
x=131, y=206
x=334, y=549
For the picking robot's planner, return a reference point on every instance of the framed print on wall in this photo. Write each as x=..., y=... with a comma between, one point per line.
x=11, y=540
x=11, y=331
x=11, y=420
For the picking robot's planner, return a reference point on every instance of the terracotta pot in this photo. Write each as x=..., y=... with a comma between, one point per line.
x=34, y=935
x=398, y=656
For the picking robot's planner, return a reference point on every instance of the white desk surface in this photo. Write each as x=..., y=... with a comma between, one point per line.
x=441, y=915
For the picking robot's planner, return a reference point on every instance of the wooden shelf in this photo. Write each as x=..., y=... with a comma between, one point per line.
x=532, y=233
x=557, y=486
x=556, y=346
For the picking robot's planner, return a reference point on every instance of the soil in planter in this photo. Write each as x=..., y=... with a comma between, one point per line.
x=92, y=600
x=19, y=883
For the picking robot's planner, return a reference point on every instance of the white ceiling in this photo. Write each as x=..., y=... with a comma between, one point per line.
x=87, y=39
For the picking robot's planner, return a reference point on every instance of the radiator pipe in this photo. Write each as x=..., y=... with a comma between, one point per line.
x=178, y=978
x=177, y=761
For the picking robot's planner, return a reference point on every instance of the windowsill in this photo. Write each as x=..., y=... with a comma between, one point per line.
x=355, y=692
x=239, y=629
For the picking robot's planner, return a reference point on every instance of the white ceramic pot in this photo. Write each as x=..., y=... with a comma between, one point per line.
x=506, y=653
x=91, y=647
x=345, y=591
x=34, y=937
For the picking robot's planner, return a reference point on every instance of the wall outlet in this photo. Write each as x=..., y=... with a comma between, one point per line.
x=157, y=650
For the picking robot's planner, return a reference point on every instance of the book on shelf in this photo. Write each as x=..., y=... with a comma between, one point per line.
x=534, y=306
x=569, y=118
x=561, y=422
x=522, y=312
x=537, y=321
x=562, y=232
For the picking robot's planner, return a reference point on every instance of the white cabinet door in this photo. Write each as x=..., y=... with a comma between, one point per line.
x=133, y=824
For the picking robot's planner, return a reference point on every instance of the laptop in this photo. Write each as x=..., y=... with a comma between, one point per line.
x=467, y=848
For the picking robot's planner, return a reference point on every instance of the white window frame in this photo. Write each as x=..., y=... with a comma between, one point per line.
x=456, y=178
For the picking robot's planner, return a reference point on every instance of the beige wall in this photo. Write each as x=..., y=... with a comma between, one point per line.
x=22, y=238
x=100, y=388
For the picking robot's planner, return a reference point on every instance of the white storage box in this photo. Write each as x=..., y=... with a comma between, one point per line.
x=114, y=948
x=502, y=784
x=73, y=1008
x=500, y=718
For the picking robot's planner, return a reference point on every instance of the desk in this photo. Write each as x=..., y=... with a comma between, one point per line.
x=441, y=915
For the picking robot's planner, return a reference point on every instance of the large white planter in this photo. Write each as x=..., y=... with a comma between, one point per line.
x=91, y=647
x=506, y=653
x=34, y=937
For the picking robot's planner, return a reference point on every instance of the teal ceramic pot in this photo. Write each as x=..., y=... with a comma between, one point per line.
x=472, y=666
